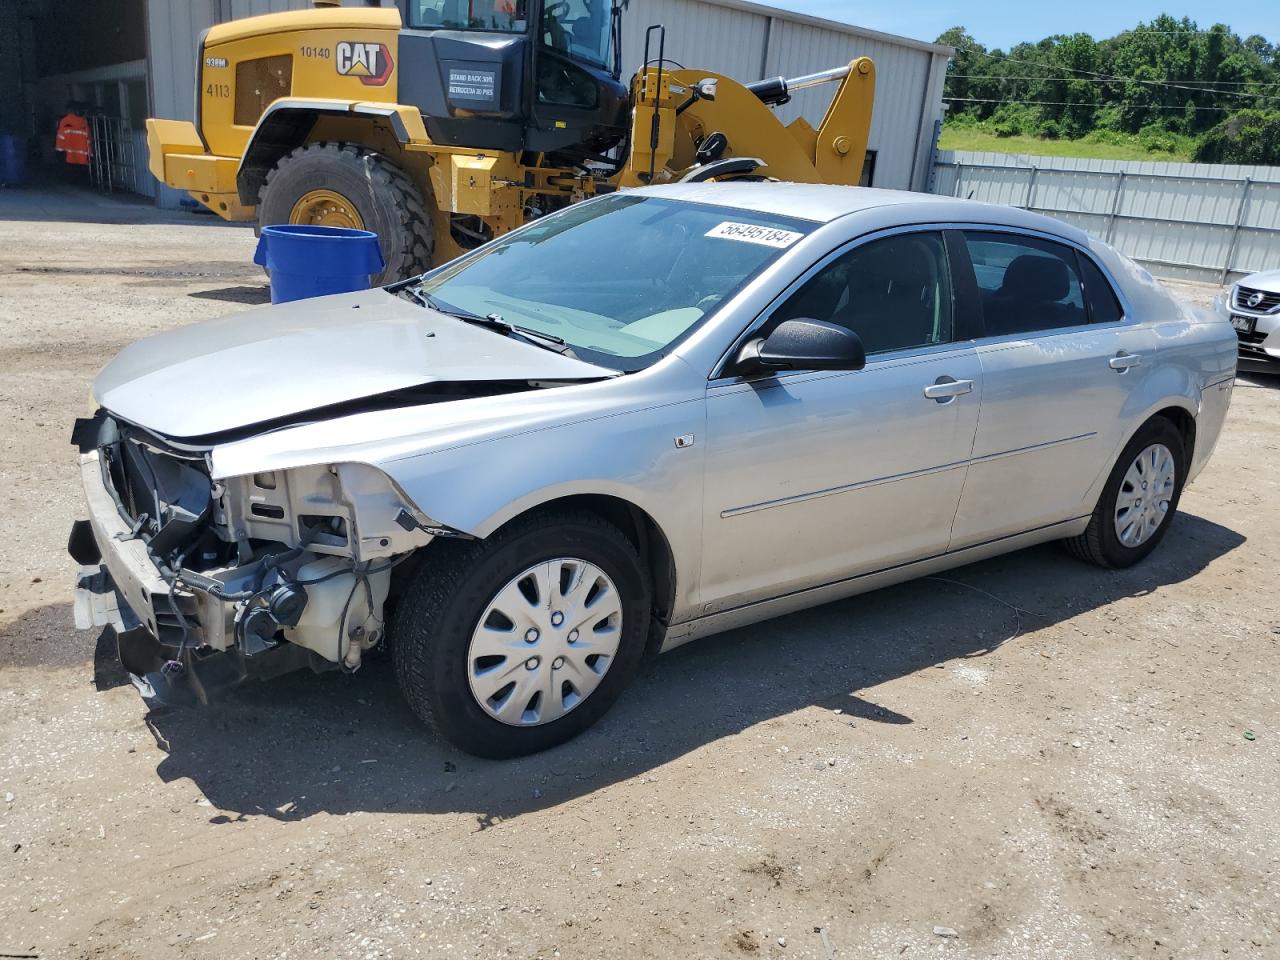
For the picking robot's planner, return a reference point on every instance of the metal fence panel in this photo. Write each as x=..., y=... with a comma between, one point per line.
x=1197, y=221
x=1074, y=192
x=1264, y=206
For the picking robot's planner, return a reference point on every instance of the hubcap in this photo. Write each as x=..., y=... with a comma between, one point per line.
x=1145, y=495
x=325, y=208
x=545, y=642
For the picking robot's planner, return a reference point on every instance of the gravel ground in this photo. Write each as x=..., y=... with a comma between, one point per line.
x=1027, y=758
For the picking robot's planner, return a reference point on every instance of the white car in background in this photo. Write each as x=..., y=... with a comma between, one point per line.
x=1253, y=306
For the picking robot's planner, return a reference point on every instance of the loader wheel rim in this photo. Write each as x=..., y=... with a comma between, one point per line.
x=325, y=208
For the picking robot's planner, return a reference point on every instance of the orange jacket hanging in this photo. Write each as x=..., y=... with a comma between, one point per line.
x=73, y=139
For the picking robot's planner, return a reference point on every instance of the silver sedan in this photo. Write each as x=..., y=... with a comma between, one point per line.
x=651, y=417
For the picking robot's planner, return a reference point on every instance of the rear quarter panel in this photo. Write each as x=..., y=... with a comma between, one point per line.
x=1195, y=361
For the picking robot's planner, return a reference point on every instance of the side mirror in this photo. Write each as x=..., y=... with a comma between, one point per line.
x=803, y=345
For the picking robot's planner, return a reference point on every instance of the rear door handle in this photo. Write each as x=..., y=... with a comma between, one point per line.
x=945, y=389
x=1123, y=361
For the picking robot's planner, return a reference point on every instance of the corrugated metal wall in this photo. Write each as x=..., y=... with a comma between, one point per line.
x=173, y=28
x=749, y=42
x=1196, y=221
x=727, y=41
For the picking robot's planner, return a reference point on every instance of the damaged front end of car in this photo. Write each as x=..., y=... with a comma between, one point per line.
x=209, y=581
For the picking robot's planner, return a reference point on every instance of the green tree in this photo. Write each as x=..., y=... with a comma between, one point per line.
x=1165, y=80
x=1077, y=56
x=1248, y=136
x=970, y=59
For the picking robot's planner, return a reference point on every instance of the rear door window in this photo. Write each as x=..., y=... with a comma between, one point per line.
x=1026, y=284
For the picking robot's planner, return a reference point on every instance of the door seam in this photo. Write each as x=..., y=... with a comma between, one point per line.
x=973, y=444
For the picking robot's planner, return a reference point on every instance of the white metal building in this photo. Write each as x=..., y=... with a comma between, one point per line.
x=748, y=41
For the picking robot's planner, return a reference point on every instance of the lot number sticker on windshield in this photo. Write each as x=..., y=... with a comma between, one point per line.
x=751, y=233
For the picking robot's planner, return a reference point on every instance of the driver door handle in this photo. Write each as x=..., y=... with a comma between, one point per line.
x=1123, y=361
x=946, y=389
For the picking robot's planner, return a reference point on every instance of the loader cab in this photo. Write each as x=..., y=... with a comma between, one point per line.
x=516, y=75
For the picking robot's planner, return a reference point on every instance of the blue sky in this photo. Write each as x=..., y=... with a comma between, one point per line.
x=1002, y=23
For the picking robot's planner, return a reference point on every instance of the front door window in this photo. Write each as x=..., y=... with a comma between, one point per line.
x=895, y=293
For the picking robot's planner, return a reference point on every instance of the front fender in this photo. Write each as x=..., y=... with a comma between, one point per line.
x=632, y=457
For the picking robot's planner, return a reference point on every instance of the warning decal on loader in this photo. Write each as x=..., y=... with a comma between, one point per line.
x=371, y=62
x=473, y=85
x=751, y=233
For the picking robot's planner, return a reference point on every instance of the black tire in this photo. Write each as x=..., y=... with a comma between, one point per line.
x=1099, y=544
x=388, y=201
x=450, y=591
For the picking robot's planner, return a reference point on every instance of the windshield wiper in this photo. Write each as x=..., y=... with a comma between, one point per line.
x=495, y=321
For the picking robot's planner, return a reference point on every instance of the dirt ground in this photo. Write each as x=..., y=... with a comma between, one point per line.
x=1028, y=758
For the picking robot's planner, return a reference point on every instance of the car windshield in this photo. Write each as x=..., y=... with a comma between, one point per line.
x=620, y=279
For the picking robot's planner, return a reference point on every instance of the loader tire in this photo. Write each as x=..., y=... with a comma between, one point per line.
x=346, y=185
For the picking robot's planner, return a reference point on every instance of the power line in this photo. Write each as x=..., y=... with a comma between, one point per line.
x=1176, y=33
x=995, y=76
x=1103, y=76
x=1083, y=103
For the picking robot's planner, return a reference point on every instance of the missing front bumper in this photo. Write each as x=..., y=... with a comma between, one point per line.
x=189, y=637
x=166, y=675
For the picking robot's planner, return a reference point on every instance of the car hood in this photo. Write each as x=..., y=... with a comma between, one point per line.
x=1268, y=280
x=274, y=363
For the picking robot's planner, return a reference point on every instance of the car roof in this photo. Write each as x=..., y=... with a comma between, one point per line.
x=824, y=203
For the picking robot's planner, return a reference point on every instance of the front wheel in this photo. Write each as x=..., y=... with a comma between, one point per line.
x=513, y=644
x=1139, y=500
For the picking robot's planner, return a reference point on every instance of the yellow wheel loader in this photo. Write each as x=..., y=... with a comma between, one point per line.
x=440, y=124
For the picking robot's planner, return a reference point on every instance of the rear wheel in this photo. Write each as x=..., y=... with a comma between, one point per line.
x=345, y=185
x=1139, y=500
x=514, y=644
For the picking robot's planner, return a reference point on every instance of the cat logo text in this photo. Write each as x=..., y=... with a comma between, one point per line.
x=371, y=62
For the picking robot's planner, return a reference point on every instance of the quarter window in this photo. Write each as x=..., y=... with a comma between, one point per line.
x=1100, y=295
x=1026, y=284
x=894, y=293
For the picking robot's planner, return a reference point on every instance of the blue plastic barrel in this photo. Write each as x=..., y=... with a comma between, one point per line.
x=13, y=160
x=308, y=261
